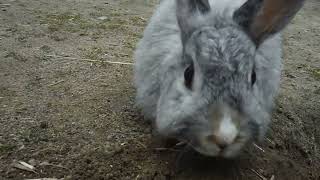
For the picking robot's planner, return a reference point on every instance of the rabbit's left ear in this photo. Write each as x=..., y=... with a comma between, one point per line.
x=189, y=14
x=263, y=18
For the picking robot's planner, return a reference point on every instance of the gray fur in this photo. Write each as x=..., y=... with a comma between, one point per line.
x=223, y=56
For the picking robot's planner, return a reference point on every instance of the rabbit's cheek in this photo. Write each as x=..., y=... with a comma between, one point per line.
x=233, y=150
x=208, y=151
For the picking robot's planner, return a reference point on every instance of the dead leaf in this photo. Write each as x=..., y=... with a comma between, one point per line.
x=27, y=165
x=272, y=177
x=24, y=166
x=45, y=179
x=46, y=163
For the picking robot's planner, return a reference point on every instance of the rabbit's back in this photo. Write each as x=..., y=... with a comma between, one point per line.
x=161, y=39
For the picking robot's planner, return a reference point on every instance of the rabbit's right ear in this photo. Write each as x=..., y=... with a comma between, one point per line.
x=263, y=18
x=190, y=15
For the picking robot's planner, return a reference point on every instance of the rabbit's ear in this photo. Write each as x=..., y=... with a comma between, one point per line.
x=263, y=18
x=189, y=15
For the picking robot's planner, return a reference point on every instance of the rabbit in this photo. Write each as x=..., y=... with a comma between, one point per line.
x=207, y=72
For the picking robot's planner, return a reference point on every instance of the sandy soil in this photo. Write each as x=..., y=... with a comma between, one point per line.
x=66, y=111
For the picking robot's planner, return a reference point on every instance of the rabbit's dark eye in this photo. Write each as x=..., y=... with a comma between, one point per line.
x=253, y=77
x=188, y=76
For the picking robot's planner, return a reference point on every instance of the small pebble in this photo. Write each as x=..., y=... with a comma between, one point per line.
x=291, y=76
x=32, y=162
x=102, y=18
x=43, y=125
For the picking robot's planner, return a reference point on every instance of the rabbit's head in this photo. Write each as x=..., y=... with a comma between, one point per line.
x=210, y=103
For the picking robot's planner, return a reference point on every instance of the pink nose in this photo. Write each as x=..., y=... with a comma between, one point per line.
x=221, y=142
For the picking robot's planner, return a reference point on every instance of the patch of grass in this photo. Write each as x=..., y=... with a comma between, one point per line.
x=93, y=53
x=115, y=14
x=313, y=71
x=4, y=148
x=15, y=55
x=316, y=74
x=96, y=14
x=138, y=21
x=113, y=25
x=130, y=44
x=35, y=135
x=302, y=66
x=95, y=28
x=66, y=21
x=74, y=22
x=57, y=21
x=136, y=35
x=63, y=18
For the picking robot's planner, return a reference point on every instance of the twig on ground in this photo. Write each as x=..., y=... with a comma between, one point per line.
x=45, y=179
x=122, y=54
x=181, y=143
x=143, y=19
x=5, y=5
x=258, y=174
x=138, y=177
x=269, y=140
x=53, y=165
x=166, y=149
x=141, y=144
x=55, y=83
x=40, y=151
x=90, y=60
x=258, y=147
x=126, y=25
x=113, y=44
x=21, y=147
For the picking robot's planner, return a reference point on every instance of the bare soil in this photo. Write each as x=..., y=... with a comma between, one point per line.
x=66, y=111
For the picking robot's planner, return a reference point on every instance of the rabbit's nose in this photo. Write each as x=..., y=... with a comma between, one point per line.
x=225, y=135
x=221, y=142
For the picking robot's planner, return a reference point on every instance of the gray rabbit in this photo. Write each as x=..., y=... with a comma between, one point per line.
x=207, y=71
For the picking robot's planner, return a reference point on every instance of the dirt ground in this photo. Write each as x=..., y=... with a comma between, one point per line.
x=70, y=114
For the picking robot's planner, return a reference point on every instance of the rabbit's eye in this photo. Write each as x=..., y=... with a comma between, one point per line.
x=253, y=77
x=188, y=76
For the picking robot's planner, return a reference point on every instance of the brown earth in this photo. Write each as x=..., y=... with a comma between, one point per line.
x=73, y=116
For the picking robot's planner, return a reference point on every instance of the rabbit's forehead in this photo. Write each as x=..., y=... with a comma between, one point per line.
x=226, y=45
x=222, y=54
